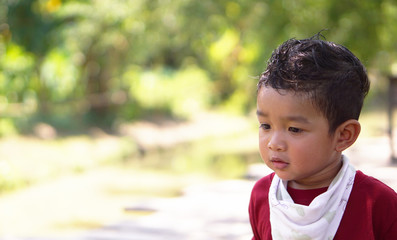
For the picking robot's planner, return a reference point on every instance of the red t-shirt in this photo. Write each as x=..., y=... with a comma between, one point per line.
x=371, y=212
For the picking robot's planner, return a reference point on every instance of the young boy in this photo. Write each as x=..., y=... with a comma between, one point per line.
x=308, y=103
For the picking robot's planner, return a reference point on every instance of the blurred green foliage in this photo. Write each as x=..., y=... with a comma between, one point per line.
x=97, y=62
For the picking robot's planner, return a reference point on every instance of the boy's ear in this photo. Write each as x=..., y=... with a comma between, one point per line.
x=346, y=134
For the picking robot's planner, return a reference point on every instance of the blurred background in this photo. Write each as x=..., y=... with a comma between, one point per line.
x=105, y=104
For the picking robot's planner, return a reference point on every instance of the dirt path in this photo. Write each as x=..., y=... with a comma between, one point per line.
x=78, y=203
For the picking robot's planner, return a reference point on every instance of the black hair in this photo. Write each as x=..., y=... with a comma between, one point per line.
x=334, y=79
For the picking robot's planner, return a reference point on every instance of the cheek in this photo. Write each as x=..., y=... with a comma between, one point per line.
x=263, y=147
x=262, y=140
x=308, y=148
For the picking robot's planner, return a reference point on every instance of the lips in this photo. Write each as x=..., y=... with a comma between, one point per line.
x=278, y=163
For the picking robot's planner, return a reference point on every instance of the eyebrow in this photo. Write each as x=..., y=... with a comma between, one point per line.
x=289, y=118
x=297, y=119
x=259, y=113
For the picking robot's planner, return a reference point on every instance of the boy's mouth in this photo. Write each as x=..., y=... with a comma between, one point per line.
x=278, y=163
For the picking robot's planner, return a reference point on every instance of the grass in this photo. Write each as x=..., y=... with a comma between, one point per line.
x=26, y=161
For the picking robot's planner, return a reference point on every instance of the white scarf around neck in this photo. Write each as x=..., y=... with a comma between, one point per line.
x=320, y=220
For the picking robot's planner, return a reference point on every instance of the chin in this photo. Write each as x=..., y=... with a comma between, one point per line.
x=283, y=176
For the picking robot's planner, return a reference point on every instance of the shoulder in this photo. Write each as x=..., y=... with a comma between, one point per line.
x=375, y=192
x=379, y=201
x=373, y=187
x=263, y=183
x=261, y=187
x=259, y=212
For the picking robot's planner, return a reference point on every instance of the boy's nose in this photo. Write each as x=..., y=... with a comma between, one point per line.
x=276, y=143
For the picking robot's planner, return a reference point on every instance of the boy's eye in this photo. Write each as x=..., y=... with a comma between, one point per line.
x=264, y=126
x=294, y=129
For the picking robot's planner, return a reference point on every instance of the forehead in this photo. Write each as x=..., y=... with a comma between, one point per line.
x=283, y=102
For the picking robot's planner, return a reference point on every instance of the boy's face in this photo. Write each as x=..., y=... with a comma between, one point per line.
x=294, y=140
